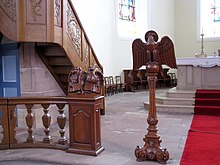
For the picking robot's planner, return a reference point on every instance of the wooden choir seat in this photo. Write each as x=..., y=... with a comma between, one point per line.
x=143, y=78
x=107, y=86
x=173, y=81
x=165, y=80
x=137, y=79
x=120, y=86
x=112, y=85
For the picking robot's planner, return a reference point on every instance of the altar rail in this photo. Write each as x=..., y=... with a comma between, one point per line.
x=41, y=122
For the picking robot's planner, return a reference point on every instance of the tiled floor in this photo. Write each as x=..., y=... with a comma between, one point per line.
x=123, y=128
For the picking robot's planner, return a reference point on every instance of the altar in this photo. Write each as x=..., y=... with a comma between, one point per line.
x=198, y=73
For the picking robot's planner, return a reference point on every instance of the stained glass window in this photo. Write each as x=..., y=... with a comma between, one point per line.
x=127, y=10
x=215, y=10
x=210, y=18
x=126, y=19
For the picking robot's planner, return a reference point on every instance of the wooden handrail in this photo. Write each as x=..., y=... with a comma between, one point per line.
x=86, y=37
x=9, y=106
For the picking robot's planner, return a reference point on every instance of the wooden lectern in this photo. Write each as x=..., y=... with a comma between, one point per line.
x=153, y=54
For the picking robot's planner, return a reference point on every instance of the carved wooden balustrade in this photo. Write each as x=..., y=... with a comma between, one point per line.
x=32, y=111
x=42, y=121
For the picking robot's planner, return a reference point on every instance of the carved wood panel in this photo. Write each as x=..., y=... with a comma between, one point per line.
x=81, y=126
x=85, y=52
x=93, y=61
x=57, y=12
x=73, y=30
x=9, y=8
x=36, y=11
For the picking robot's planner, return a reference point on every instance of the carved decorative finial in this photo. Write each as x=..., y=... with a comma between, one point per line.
x=85, y=82
x=75, y=79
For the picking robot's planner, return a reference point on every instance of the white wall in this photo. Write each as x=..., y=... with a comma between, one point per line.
x=186, y=44
x=161, y=15
x=98, y=18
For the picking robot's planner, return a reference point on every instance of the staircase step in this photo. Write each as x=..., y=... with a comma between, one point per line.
x=57, y=62
x=44, y=44
x=208, y=93
x=62, y=69
x=64, y=78
x=207, y=101
x=207, y=110
x=54, y=51
x=173, y=101
x=185, y=109
x=63, y=61
x=175, y=93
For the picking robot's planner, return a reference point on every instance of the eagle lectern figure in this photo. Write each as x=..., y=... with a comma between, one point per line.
x=161, y=52
x=153, y=54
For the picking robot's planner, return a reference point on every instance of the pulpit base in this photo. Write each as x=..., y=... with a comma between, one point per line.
x=86, y=152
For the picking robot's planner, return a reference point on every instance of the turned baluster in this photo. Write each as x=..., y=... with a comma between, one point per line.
x=30, y=121
x=61, y=120
x=46, y=119
x=13, y=120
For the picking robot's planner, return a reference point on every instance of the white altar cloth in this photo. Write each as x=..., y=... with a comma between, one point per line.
x=210, y=61
x=198, y=73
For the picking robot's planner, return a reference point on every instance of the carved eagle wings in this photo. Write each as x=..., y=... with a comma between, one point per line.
x=162, y=52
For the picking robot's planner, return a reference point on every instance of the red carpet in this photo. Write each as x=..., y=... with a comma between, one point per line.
x=207, y=102
x=201, y=149
x=203, y=140
x=205, y=123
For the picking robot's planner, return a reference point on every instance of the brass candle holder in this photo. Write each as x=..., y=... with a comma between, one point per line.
x=202, y=54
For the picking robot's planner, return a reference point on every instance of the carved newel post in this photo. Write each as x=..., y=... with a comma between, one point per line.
x=84, y=111
x=151, y=149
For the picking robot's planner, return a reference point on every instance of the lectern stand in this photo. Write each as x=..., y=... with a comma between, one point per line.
x=151, y=149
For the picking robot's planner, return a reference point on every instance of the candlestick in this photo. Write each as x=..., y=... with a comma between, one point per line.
x=202, y=54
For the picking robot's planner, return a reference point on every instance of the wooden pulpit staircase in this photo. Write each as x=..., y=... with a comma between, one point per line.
x=54, y=28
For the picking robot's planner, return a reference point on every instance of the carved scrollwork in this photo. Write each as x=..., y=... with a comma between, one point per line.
x=58, y=12
x=152, y=80
x=140, y=153
x=35, y=8
x=9, y=8
x=152, y=120
x=73, y=30
x=151, y=153
x=86, y=55
x=162, y=156
x=75, y=80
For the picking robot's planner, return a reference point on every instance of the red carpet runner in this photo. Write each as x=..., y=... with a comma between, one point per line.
x=203, y=140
